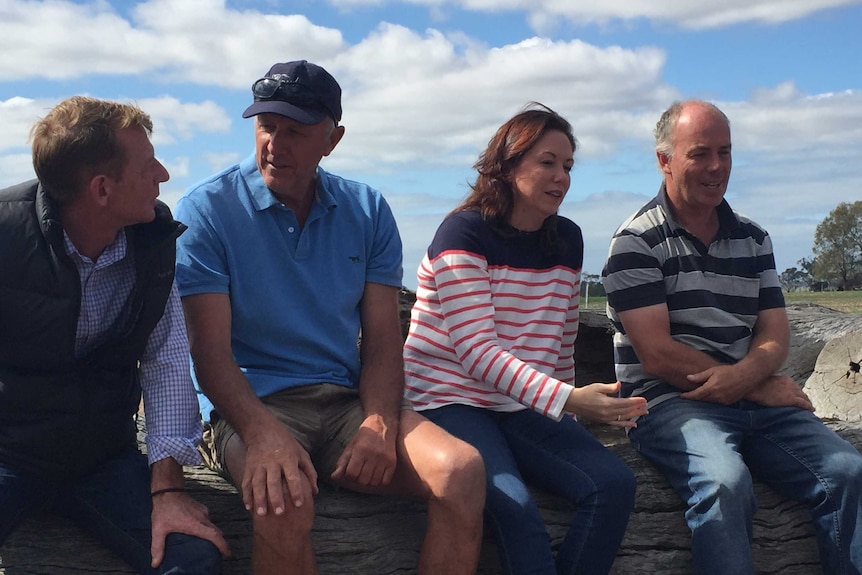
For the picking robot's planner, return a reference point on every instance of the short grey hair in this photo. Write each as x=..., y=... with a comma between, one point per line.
x=664, y=127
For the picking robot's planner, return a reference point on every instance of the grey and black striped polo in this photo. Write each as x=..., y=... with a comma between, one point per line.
x=713, y=293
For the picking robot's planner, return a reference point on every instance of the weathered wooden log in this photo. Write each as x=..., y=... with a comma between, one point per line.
x=812, y=326
x=365, y=534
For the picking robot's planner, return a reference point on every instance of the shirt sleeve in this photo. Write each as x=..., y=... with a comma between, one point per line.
x=633, y=276
x=385, y=261
x=201, y=259
x=170, y=402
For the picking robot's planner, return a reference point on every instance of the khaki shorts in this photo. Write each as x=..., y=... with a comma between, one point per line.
x=322, y=417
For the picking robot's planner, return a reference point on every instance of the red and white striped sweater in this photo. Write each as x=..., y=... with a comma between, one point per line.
x=495, y=320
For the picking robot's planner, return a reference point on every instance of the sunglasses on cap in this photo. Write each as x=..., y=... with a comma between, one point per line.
x=288, y=89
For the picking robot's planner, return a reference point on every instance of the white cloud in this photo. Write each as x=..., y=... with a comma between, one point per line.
x=168, y=40
x=174, y=120
x=783, y=119
x=409, y=97
x=17, y=116
x=546, y=14
x=177, y=167
x=219, y=161
x=427, y=101
x=15, y=168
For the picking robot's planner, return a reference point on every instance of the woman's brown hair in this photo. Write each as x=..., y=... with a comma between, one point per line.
x=492, y=193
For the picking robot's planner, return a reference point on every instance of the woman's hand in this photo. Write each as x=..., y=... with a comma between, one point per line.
x=598, y=402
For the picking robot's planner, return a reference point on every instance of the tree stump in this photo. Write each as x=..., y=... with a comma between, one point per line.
x=835, y=387
x=811, y=327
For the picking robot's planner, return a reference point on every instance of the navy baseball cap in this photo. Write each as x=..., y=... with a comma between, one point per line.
x=299, y=90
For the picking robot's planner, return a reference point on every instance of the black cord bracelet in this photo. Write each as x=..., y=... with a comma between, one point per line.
x=168, y=490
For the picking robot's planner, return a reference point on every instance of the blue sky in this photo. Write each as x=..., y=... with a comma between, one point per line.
x=427, y=82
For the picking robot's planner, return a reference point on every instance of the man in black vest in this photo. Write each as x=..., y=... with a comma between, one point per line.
x=89, y=321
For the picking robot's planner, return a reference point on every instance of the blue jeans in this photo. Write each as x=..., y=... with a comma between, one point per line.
x=560, y=457
x=112, y=504
x=710, y=452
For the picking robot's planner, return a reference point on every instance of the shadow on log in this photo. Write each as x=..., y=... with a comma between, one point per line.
x=362, y=534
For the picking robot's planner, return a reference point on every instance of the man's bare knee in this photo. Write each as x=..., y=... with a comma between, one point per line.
x=282, y=543
x=279, y=530
x=459, y=476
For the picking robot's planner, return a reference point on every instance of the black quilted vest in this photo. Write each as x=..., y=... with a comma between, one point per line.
x=61, y=416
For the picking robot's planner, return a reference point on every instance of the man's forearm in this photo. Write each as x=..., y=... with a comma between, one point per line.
x=764, y=358
x=166, y=474
x=209, y=319
x=381, y=380
x=381, y=390
x=676, y=361
x=233, y=397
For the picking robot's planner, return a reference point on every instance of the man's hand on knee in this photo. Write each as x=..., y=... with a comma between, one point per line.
x=370, y=458
x=176, y=512
x=275, y=467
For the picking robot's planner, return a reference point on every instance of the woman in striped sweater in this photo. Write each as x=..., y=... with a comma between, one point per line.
x=489, y=356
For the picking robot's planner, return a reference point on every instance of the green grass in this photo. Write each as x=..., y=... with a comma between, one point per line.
x=848, y=301
x=594, y=303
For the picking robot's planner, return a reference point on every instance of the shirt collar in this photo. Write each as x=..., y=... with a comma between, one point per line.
x=114, y=252
x=263, y=199
x=727, y=220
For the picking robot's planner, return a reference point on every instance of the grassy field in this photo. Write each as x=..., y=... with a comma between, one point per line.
x=849, y=301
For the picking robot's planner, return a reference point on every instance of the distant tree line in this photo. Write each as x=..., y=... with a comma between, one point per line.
x=837, y=261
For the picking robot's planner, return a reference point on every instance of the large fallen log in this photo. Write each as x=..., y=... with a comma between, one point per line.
x=362, y=534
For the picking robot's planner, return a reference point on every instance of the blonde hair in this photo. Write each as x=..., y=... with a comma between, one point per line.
x=77, y=140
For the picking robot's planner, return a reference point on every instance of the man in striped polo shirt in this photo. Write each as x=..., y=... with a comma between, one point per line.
x=701, y=332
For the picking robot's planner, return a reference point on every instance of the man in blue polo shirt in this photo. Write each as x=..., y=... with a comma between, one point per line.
x=701, y=333
x=281, y=269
